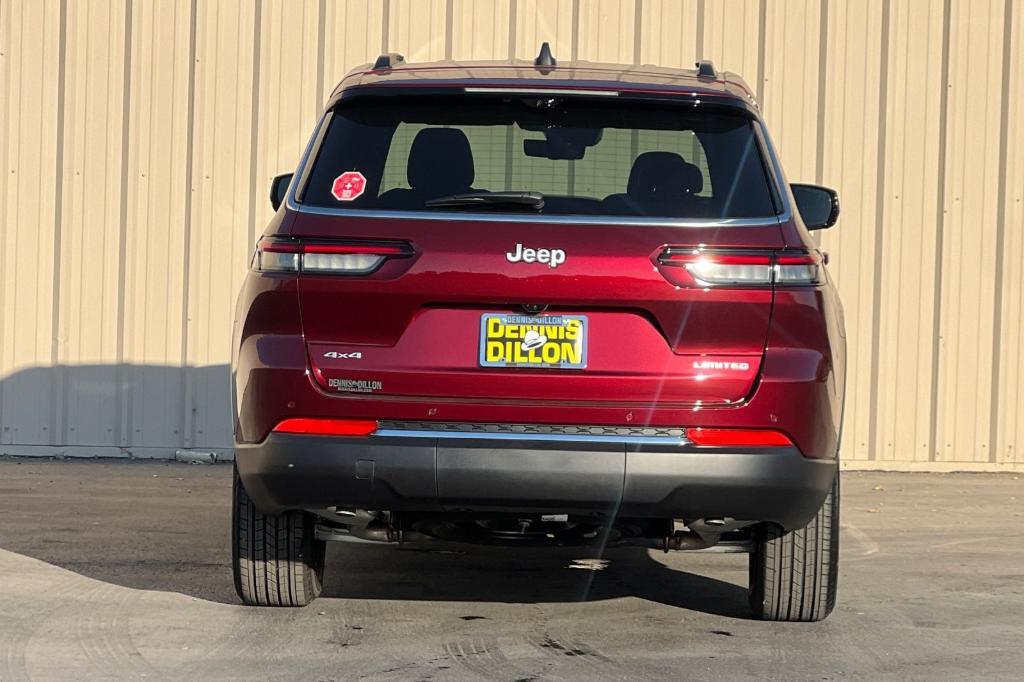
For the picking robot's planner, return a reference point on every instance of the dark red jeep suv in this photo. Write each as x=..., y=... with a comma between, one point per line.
x=533, y=303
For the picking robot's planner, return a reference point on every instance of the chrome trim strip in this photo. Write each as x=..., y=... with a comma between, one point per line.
x=573, y=219
x=778, y=175
x=552, y=437
x=300, y=176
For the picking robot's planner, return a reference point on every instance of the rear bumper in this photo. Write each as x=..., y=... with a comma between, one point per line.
x=638, y=478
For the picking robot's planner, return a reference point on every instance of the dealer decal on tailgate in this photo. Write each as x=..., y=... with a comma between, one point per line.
x=556, y=341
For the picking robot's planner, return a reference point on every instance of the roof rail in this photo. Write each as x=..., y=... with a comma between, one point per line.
x=706, y=69
x=545, y=61
x=388, y=61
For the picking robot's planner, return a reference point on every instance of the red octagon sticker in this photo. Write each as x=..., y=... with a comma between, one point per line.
x=348, y=186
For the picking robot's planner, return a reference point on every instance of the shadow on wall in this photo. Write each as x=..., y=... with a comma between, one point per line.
x=115, y=410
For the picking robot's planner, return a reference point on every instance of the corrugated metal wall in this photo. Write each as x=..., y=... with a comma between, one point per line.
x=138, y=139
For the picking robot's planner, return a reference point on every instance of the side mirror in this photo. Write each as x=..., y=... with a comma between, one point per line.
x=818, y=206
x=279, y=189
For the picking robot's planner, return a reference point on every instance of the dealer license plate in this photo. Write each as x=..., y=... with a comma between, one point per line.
x=553, y=341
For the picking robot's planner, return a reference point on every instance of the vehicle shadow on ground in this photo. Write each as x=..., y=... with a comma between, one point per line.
x=456, y=573
x=460, y=573
x=165, y=526
x=194, y=562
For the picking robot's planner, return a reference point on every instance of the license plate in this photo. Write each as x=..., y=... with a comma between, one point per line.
x=553, y=341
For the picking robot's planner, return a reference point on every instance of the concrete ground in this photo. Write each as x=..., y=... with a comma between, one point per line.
x=119, y=569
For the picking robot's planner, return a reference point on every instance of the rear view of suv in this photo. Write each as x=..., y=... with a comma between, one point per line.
x=547, y=304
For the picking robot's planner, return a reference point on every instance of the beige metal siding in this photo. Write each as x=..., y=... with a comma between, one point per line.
x=154, y=227
x=89, y=224
x=970, y=184
x=138, y=140
x=850, y=164
x=910, y=190
x=31, y=69
x=1009, y=424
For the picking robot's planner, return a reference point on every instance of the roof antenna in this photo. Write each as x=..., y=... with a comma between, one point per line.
x=388, y=61
x=545, y=62
x=706, y=69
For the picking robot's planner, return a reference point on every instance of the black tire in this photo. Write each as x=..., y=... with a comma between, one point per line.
x=277, y=560
x=793, y=575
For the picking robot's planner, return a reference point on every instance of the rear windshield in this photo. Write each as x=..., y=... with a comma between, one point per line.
x=573, y=157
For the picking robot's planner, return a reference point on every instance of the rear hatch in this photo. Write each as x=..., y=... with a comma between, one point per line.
x=636, y=272
x=418, y=326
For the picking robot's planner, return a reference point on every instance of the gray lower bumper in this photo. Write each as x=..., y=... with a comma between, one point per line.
x=636, y=480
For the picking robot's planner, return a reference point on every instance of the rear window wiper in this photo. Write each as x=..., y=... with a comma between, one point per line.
x=508, y=200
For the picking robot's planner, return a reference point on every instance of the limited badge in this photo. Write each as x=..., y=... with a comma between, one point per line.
x=348, y=186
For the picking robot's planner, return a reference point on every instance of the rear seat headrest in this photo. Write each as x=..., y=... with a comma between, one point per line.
x=663, y=171
x=440, y=158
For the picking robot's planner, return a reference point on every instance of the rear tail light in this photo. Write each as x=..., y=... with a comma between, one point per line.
x=738, y=437
x=331, y=258
x=711, y=268
x=718, y=269
x=802, y=268
x=276, y=256
x=327, y=427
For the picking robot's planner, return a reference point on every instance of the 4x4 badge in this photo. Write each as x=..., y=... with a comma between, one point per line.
x=343, y=356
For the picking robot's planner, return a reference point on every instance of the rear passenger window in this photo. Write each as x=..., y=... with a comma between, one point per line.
x=584, y=157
